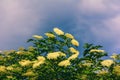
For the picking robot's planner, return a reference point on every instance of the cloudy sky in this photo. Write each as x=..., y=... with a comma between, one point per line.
x=93, y=21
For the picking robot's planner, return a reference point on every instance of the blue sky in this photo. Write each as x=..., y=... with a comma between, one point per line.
x=93, y=21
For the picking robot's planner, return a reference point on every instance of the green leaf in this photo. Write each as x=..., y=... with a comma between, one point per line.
x=29, y=40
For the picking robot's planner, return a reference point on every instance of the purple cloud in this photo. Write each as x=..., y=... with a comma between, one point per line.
x=20, y=19
x=100, y=23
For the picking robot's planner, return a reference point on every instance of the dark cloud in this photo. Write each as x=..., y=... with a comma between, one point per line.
x=21, y=18
x=98, y=22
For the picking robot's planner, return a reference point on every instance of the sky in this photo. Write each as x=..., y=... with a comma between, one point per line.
x=90, y=21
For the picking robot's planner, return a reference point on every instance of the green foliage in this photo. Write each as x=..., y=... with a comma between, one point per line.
x=55, y=57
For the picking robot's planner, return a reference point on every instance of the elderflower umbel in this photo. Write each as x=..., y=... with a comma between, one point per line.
x=114, y=56
x=37, y=36
x=55, y=55
x=29, y=73
x=74, y=56
x=64, y=63
x=116, y=70
x=2, y=69
x=73, y=50
x=37, y=63
x=62, y=54
x=75, y=42
x=50, y=35
x=58, y=31
x=96, y=50
x=25, y=62
x=20, y=52
x=107, y=63
x=102, y=72
x=69, y=36
x=41, y=58
x=10, y=68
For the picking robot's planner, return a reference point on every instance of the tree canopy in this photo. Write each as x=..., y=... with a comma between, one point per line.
x=55, y=56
